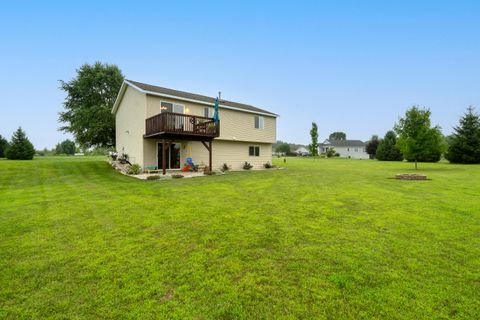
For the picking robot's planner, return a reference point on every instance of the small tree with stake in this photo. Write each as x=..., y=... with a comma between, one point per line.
x=20, y=147
x=313, y=146
x=417, y=140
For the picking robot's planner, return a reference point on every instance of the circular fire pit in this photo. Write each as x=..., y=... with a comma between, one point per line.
x=410, y=176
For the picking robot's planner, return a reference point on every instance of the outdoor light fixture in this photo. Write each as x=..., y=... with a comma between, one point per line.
x=187, y=110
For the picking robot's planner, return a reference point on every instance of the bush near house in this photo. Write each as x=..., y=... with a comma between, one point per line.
x=135, y=169
x=247, y=166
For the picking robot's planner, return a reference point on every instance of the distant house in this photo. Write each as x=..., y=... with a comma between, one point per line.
x=302, y=151
x=354, y=149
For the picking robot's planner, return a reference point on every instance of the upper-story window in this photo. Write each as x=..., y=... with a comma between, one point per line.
x=171, y=107
x=208, y=112
x=259, y=122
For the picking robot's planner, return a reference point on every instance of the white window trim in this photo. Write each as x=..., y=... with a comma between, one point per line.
x=254, y=146
x=211, y=111
x=173, y=105
x=261, y=122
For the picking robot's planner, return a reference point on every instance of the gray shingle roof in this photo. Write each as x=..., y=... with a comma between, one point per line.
x=344, y=143
x=194, y=96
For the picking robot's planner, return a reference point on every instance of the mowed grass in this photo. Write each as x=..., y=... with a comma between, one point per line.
x=332, y=239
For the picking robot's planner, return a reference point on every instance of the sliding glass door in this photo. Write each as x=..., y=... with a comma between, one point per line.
x=172, y=156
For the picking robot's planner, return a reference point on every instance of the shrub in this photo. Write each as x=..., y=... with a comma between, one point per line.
x=123, y=158
x=268, y=165
x=330, y=153
x=177, y=176
x=20, y=148
x=154, y=177
x=113, y=155
x=135, y=169
x=206, y=169
x=247, y=166
x=225, y=167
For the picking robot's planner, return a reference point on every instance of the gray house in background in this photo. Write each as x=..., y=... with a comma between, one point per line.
x=354, y=149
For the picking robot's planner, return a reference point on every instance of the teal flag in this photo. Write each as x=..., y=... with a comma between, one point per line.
x=215, y=114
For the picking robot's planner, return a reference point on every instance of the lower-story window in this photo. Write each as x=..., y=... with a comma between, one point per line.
x=254, y=151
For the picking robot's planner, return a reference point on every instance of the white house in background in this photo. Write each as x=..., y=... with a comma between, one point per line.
x=354, y=149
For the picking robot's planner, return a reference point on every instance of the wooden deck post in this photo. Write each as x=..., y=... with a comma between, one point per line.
x=164, y=158
x=210, y=155
x=209, y=148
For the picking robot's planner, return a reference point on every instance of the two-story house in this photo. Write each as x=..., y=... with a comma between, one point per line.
x=161, y=127
x=354, y=149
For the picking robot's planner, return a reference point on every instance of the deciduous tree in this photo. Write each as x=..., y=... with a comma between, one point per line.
x=337, y=136
x=90, y=98
x=65, y=147
x=417, y=140
x=283, y=147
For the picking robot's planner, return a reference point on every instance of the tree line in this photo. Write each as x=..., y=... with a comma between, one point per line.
x=414, y=138
x=20, y=148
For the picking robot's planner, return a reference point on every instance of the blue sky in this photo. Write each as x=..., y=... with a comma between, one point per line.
x=352, y=66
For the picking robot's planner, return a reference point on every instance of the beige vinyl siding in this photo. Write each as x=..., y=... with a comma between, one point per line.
x=130, y=125
x=237, y=133
x=153, y=106
x=230, y=152
x=240, y=126
x=234, y=125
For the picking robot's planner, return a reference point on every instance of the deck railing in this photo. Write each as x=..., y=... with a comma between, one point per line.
x=182, y=124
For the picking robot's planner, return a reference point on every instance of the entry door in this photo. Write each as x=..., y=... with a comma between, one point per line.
x=172, y=156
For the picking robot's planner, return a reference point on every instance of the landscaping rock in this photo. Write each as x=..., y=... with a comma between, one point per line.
x=410, y=176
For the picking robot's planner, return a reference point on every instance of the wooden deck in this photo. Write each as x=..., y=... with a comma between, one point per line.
x=170, y=125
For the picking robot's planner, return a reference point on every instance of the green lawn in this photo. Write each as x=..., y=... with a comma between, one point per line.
x=323, y=238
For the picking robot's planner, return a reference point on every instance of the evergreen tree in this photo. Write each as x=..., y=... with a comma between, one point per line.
x=372, y=146
x=417, y=140
x=20, y=147
x=464, y=145
x=313, y=146
x=3, y=146
x=387, y=148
